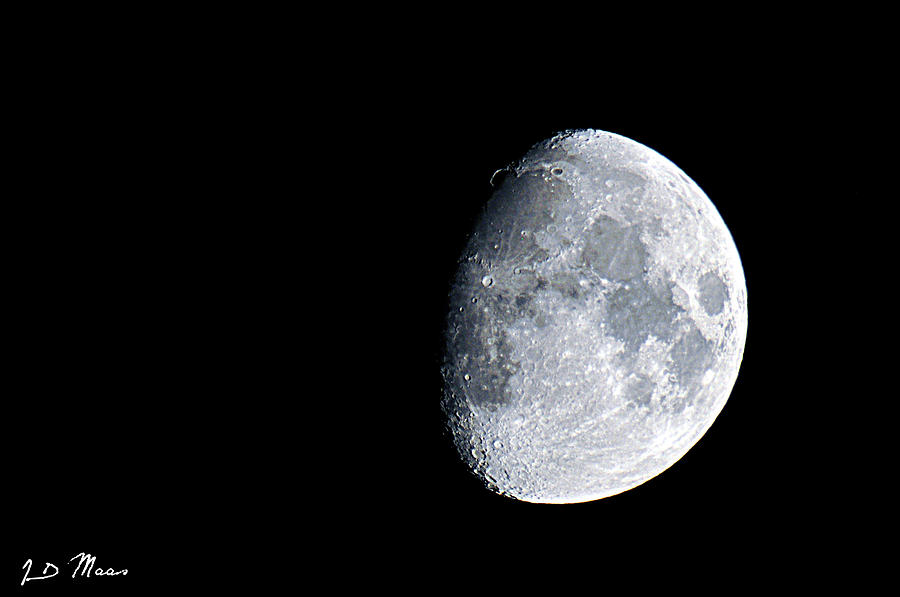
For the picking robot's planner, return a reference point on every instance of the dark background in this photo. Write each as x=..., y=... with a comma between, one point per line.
x=786, y=487
x=768, y=487
x=227, y=275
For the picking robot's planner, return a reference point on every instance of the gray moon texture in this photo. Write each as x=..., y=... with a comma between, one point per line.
x=597, y=322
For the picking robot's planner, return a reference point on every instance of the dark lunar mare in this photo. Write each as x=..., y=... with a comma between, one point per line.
x=476, y=343
x=503, y=247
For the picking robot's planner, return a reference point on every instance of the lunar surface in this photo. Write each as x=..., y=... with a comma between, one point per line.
x=597, y=322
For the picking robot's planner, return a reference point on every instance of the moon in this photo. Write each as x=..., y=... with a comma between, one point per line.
x=597, y=322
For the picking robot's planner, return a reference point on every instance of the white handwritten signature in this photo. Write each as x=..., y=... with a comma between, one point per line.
x=85, y=565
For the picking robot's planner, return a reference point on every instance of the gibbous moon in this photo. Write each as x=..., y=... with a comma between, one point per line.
x=597, y=322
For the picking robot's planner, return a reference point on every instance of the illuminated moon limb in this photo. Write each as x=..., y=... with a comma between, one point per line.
x=597, y=322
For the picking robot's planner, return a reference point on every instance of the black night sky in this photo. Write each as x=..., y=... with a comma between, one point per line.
x=227, y=283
